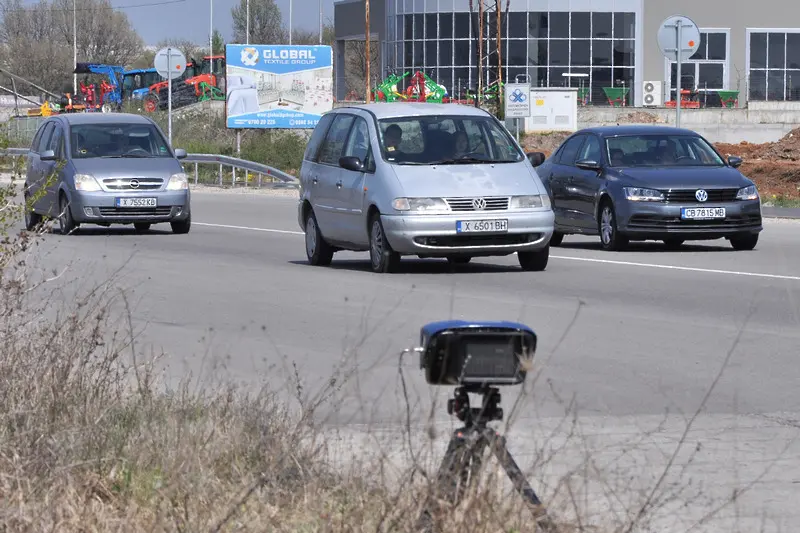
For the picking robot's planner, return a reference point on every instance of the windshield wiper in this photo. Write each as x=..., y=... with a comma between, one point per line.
x=124, y=156
x=466, y=160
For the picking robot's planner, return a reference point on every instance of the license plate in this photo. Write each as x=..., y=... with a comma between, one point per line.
x=137, y=202
x=702, y=213
x=482, y=226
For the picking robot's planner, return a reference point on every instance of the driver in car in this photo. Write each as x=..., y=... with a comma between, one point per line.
x=393, y=136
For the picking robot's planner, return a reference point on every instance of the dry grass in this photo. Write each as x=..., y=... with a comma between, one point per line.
x=92, y=440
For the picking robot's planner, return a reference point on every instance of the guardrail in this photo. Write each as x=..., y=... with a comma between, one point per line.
x=245, y=168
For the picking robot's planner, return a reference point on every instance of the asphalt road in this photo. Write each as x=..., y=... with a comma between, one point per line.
x=630, y=337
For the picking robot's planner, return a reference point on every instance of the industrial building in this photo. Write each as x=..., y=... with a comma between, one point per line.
x=607, y=47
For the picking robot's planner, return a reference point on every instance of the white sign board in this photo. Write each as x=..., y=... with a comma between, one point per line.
x=553, y=109
x=170, y=63
x=518, y=100
x=668, y=38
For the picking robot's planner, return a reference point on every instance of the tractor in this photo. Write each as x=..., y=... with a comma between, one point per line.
x=197, y=83
x=136, y=83
x=110, y=97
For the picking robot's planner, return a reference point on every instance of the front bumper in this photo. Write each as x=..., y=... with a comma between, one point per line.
x=436, y=235
x=100, y=207
x=657, y=220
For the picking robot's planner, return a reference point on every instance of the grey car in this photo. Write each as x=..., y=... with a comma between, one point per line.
x=105, y=168
x=430, y=180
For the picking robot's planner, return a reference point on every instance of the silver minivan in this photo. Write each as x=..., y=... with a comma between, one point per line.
x=424, y=179
x=105, y=168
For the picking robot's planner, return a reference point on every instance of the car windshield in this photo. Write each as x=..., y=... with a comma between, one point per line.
x=659, y=150
x=446, y=140
x=117, y=140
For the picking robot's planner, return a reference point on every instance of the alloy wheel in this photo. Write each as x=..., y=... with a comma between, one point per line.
x=607, y=225
x=376, y=244
x=311, y=237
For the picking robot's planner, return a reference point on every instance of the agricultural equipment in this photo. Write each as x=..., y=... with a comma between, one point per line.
x=136, y=83
x=110, y=97
x=386, y=91
x=65, y=105
x=424, y=89
x=198, y=83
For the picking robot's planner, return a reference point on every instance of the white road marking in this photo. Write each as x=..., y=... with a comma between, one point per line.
x=565, y=257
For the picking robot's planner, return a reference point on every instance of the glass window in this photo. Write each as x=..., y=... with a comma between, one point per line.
x=775, y=84
x=445, y=25
x=601, y=53
x=758, y=84
x=358, y=143
x=517, y=25
x=430, y=53
x=601, y=25
x=559, y=24
x=758, y=50
x=445, y=53
x=118, y=139
x=793, y=84
x=623, y=53
x=426, y=140
x=591, y=150
x=419, y=59
x=717, y=46
x=56, y=144
x=793, y=50
x=431, y=26
x=517, y=54
x=445, y=77
x=601, y=77
x=661, y=150
x=317, y=136
x=537, y=52
x=624, y=25
x=559, y=52
x=537, y=25
x=409, y=53
x=702, y=48
x=776, y=50
x=462, y=26
x=409, y=27
x=557, y=78
x=333, y=145
x=462, y=56
x=580, y=52
x=710, y=75
x=581, y=25
x=570, y=150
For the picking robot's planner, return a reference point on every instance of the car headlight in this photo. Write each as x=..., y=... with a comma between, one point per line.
x=178, y=182
x=419, y=204
x=528, y=202
x=86, y=183
x=747, y=193
x=639, y=194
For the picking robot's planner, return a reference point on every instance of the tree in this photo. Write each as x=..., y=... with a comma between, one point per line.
x=266, y=26
x=188, y=48
x=217, y=43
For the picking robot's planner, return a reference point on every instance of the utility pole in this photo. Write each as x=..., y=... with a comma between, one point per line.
x=320, y=22
x=247, y=8
x=479, y=95
x=369, y=56
x=74, y=47
x=290, y=22
x=211, y=34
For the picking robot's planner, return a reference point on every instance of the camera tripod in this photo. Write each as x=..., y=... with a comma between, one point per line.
x=463, y=459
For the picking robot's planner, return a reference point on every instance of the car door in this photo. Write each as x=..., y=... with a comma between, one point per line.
x=309, y=169
x=352, y=193
x=52, y=171
x=34, y=173
x=561, y=178
x=586, y=184
x=327, y=201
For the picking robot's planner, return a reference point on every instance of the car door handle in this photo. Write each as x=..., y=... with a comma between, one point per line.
x=314, y=180
x=339, y=184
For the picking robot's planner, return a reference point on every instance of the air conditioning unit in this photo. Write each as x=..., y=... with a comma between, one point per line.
x=652, y=94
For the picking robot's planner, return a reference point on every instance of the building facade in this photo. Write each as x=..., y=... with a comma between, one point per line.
x=608, y=47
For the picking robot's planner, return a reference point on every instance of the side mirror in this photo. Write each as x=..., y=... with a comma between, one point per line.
x=536, y=158
x=180, y=153
x=351, y=163
x=588, y=164
x=734, y=161
x=48, y=155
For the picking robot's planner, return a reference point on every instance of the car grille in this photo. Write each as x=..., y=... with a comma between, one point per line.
x=124, y=184
x=456, y=241
x=496, y=203
x=687, y=196
x=658, y=222
x=135, y=211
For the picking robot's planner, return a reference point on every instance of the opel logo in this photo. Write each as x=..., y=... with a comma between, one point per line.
x=134, y=183
x=701, y=195
x=479, y=204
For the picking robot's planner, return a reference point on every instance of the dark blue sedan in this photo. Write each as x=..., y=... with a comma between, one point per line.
x=635, y=183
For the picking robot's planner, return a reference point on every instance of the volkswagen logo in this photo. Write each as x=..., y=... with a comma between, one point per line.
x=701, y=195
x=134, y=184
x=479, y=204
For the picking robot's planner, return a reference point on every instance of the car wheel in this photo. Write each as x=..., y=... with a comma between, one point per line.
x=610, y=237
x=318, y=251
x=534, y=261
x=66, y=224
x=744, y=242
x=459, y=259
x=141, y=227
x=32, y=220
x=182, y=227
x=673, y=244
x=556, y=239
x=382, y=258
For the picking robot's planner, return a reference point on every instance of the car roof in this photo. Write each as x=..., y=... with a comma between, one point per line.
x=103, y=118
x=637, y=129
x=415, y=109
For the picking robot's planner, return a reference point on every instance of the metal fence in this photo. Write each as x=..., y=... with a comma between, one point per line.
x=227, y=171
x=20, y=130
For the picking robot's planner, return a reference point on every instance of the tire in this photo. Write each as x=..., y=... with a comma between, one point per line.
x=382, y=258
x=66, y=224
x=32, y=220
x=610, y=238
x=459, y=259
x=141, y=227
x=673, y=244
x=556, y=239
x=318, y=251
x=182, y=227
x=534, y=261
x=744, y=242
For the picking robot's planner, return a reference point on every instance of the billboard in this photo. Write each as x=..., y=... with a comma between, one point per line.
x=277, y=86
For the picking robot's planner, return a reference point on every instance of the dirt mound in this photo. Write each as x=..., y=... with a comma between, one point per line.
x=543, y=142
x=786, y=149
x=639, y=117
